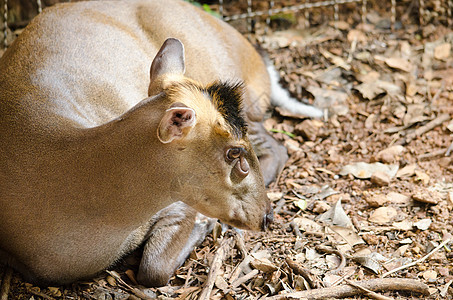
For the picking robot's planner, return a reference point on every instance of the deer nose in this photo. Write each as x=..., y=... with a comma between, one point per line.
x=268, y=216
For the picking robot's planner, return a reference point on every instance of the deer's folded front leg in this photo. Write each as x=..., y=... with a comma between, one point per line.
x=175, y=231
x=271, y=153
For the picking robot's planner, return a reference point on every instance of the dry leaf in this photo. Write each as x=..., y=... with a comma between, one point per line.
x=407, y=171
x=422, y=176
x=365, y=171
x=380, y=178
x=336, y=216
x=336, y=60
x=423, y=224
x=430, y=275
x=356, y=35
x=370, y=121
x=444, y=290
x=404, y=225
x=406, y=241
x=264, y=265
x=373, y=261
x=401, y=250
x=111, y=280
x=427, y=196
x=391, y=154
x=54, y=291
x=329, y=279
x=443, y=51
x=399, y=63
x=221, y=283
x=397, y=198
x=292, y=146
x=383, y=215
x=332, y=261
x=327, y=98
x=376, y=200
x=320, y=207
x=274, y=196
x=371, y=90
x=305, y=224
x=347, y=235
x=371, y=76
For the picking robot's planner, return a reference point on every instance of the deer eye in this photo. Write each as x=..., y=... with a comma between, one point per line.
x=233, y=153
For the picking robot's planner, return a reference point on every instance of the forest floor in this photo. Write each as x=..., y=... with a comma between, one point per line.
x=366, y=198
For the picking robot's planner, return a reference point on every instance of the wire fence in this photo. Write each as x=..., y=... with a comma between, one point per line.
x=425, y=12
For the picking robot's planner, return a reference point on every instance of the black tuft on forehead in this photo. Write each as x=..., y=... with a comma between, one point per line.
x=227, y=98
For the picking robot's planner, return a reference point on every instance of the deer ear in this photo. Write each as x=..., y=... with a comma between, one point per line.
x=168, y=61
x=176, y=123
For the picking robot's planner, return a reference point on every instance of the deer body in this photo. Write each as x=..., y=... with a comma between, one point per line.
x=100, y=155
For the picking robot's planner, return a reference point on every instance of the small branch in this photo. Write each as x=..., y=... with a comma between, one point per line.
x=431, y=155
x=417, y=261
x=317, y=234
x=237, y=271
x=424, y=129
x=382, y=284
x=138, y=293
x=6, y=283
x=336, y=252
x=216, y=265
x=439, y=91
x=40, y=294
x=297, y=269
x=244, y=278
x=186, y=282
x=240, y=244
x=369, y=293
x=450, y=148
x=296, y=229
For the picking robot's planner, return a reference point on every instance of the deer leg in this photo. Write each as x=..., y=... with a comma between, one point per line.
x=271, y=154
x=175, y=231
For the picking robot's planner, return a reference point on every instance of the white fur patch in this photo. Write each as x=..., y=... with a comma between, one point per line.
x=281, y=98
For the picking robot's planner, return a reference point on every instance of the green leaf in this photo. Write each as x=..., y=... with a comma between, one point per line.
x=302, y=204
x=205, y=7
x=291, y=135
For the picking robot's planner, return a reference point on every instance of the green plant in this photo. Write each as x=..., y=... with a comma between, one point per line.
x=205, y=7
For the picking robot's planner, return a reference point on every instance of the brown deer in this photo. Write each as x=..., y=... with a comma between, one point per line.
x=102, y=153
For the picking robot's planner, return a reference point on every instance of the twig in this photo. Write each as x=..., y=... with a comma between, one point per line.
x=369, y=293
x=439, y=91
x=450, y=148
x=424, y=129
x=279, y=205
x=237, y=271
x=444, y=290
x=138, y=293
x=336, y=252
x=240, y=244
x=386, y=284
x=186, y=282
x=6, y=283
x=296, y=229
x=244, y=278
x=297, y=269
x=417, y=261
x=317, y=234
x=431, y=155
x=40, y=294
x=216, y=265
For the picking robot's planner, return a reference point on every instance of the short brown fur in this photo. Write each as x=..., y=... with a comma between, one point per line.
x=84, y=170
